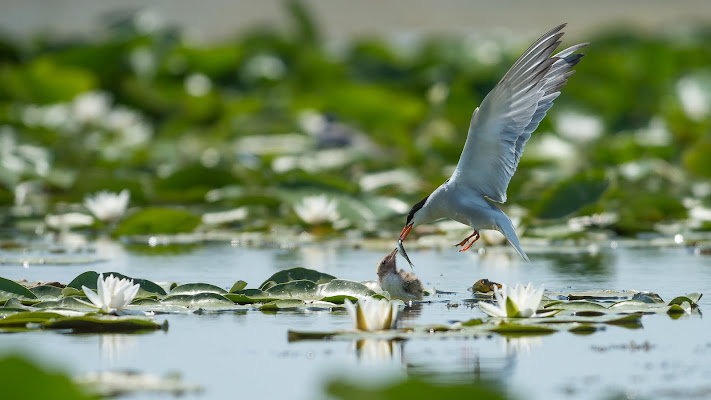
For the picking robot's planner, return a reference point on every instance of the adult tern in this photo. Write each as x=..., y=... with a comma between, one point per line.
x=499, y=129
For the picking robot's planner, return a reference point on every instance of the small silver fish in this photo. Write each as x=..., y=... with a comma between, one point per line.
x=404, y=254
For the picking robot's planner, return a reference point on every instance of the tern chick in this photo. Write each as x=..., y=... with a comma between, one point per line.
x=400, y=284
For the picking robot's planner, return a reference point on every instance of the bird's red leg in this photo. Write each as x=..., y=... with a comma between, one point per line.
x=474, y=235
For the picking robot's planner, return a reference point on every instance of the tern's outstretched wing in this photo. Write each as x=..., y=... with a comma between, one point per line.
x=503, y=123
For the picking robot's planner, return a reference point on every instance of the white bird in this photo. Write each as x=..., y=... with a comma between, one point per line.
x=499, y=129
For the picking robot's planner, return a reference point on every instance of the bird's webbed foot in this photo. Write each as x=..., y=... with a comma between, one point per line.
x=466, y=243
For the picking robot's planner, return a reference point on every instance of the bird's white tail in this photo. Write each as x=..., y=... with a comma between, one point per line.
x=506, y=227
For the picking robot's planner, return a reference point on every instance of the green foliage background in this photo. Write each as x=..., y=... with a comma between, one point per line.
x=181, y=116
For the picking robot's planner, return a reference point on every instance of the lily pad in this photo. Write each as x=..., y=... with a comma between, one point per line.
x=301, y=289
x=250, y=296
x=89, y=279
x=337, y=290
x=239, y=285
x=10, y=289
x=47, y=292
x=692, y=298
x=296, y=274
x=200, y=300
x=158, y=220
x=195, y=288
x=294, y=305
x=77, y=324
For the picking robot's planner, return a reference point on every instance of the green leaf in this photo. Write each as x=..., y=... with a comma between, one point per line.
x=158, y=220
x=239, y=285
x=22, y=379
x=692, y=298
x=578, y=305
x=302, y=290
x=295, y=305
x=89, y=279
x=515, y=329
x=296, y=274
x=47, y=292
x=572, y=194
x=250, y=296
x=195, y=288
x=10, y=289
x=104, y=324
x=337, y=290
x=200, y=300
x=414, y=388
x=648, y=297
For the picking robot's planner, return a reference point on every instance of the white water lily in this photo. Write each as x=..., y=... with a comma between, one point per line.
x=517, y=301
x=68, y=220
x=113, y=293
x=317, y=209
x=108, y=206
x=370, y=314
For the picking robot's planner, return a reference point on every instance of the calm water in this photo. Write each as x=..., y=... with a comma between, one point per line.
x=247, y=353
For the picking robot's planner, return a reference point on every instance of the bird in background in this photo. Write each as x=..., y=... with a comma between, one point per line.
x=499, y=129
x=400, y=284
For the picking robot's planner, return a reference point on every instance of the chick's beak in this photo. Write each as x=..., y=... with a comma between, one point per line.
x=405, y=231
x=392, y=255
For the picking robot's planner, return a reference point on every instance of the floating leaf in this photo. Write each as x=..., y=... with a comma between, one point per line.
x=249, y=296
x=239, y=285
x=572, y=194
x=692, y=298
x=647, y=297
x=47, y=292
x=302, y=290
x=200, y=300
x=515, y=329
x=296, y=274
x=158, y=220
x=337, y=290
x=10, y=289
x=89, y=279
x=195, y=288
x=293, y=305
x=15, y=375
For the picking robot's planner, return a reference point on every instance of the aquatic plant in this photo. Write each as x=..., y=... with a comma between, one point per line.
x=371, y=314
x=517, y=301
x=108, y=206
x=317, y=210
x=113, y=293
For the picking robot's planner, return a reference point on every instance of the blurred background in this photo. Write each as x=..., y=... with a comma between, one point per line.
x=336, y=117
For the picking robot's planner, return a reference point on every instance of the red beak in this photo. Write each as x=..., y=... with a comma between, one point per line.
x=405, y=231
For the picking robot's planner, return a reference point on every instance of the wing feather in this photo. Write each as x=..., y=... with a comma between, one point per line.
x=509, y=114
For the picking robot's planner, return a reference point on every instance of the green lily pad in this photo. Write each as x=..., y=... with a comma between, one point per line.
x=200, y=300
x=648, y=297
x=77, y=324
x=577, y=305
x=515, y=329
x=158, y=220
x=104, y=324
x=67, y=303
x=337, y=290
x=239, y=285
x=45, y=384
x=89, y=279
x=301, y=290
x=250, y=296
x=692, y=298
x=296, y=274
x=10, y=289
x=195, y=288
x=294, y=305
x=46, y=292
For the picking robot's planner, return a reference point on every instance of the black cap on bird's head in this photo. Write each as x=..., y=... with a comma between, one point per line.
x=409, y=224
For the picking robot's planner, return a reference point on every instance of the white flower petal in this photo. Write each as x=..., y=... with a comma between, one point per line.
x=93, y=297
x=492, y=310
